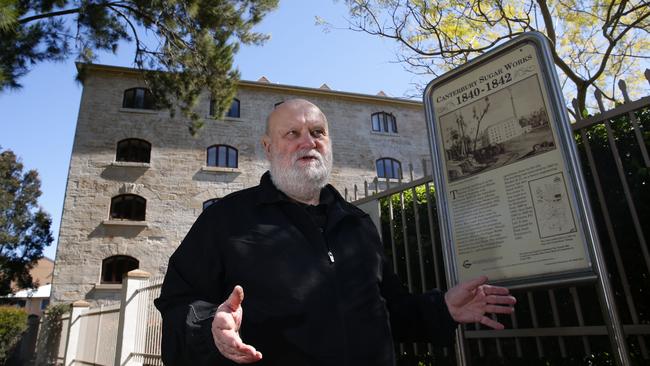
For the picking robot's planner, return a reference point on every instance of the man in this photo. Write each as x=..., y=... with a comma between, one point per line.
x=318, y=288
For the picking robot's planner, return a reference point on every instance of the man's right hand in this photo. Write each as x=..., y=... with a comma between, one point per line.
x=225, y=330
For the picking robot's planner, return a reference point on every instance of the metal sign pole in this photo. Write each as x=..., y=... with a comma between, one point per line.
x=612, y=320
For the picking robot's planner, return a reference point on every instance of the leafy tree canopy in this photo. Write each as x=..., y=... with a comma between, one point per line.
x=24, y=227
x=595, y=42
x=186, y=46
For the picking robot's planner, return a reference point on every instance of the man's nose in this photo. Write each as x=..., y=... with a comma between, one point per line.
x=307, y=141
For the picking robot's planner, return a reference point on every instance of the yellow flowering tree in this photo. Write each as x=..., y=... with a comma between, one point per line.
x=595, y=42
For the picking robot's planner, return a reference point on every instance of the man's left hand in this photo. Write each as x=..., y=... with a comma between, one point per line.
x=469, y=301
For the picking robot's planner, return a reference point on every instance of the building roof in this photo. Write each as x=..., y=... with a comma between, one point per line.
x=263, y=82
x=41, y=292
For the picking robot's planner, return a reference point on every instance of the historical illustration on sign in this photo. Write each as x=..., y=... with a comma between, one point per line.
x=551, y=204
x=498, y=129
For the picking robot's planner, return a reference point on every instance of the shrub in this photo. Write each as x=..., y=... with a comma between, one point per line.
x=13, y=322
x=49, y=335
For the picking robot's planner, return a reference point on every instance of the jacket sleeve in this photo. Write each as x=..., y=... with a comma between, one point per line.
x=416, y=317
x=190, y=294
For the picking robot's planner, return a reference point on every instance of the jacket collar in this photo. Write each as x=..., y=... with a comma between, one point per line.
x=270, y=194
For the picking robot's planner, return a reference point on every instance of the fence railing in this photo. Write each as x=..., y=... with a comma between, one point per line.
x=98, y=335
x=559, y=325
x=124, y=334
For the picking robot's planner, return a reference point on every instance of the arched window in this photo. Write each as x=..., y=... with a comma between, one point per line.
x=128, y=207
x=384, y=122
x=140, y=98
x=233, y=112
x=209, y=202
x=116, y=267
x=389, y=168
x=222, y=156
x=133, y=150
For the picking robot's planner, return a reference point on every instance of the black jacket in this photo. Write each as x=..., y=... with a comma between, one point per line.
x=300, y=308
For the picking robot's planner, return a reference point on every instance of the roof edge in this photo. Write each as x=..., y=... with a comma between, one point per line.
x=263, y=85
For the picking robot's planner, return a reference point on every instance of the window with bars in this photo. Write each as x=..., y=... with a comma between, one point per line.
x=138, y=98
x=115, y=268
x=233, y=112
x=128, y=207
x=222, y=156
x=389, y=168
x=384, y=122
x=133, y=150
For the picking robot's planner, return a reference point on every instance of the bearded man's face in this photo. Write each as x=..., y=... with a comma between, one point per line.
x=299, y=149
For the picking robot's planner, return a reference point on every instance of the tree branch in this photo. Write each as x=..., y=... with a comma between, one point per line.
x=48, y=15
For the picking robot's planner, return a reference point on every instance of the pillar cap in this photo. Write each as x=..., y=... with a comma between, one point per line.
x=80, y=304
x=137, y=273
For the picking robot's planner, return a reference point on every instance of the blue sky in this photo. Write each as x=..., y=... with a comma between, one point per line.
x=38, y=122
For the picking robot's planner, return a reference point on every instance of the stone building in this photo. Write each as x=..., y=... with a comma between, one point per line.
x=138, y=179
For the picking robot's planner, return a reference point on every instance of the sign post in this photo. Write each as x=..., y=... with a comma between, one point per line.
x=511, y=197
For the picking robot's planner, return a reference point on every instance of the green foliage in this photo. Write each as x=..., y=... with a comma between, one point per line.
x=49, y=336
x=24, y=227
x=13, y=322
x=400, y=234
x=186, y=46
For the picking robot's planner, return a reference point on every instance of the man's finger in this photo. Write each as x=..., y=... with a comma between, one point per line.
x=234, y=349
x=247, y=358
x=235, y=299
x=495, y=290
x=491, y=323
x=498, y=309
x=473, y=283
x=506, y=300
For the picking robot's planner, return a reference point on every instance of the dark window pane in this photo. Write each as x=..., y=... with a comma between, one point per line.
x=140, y=98
x=232, y=158
x=133, y=150
x=116, y=267
x=127, y=102
x=212, y=156
x=234, y=109
x=212, y=107
x=384, y=122
x=128, y=207
x=396, y=170
x=375, y=122
x=381, y=173
x=222, y=156
x=389, y=168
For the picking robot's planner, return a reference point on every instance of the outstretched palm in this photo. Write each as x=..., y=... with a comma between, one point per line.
x=468, y=302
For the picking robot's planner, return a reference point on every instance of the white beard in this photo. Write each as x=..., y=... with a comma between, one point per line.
x=301, y=183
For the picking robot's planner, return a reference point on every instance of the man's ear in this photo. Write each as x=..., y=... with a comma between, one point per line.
x=266, y=144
